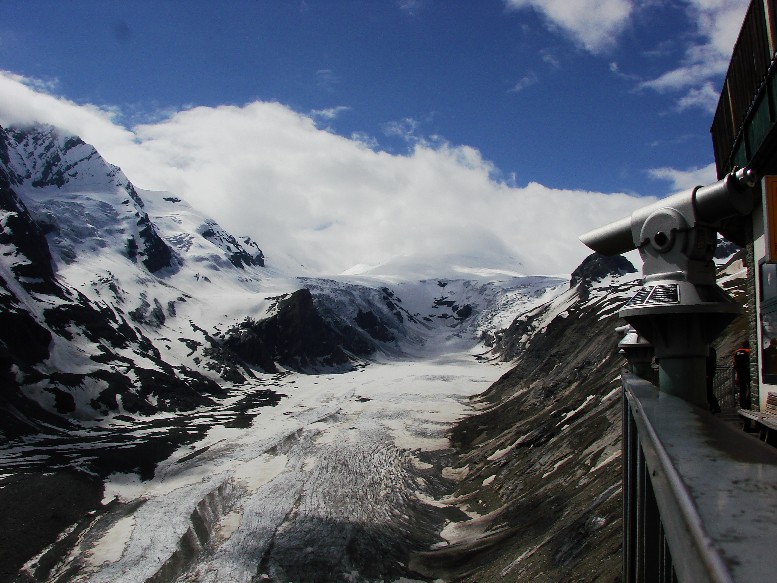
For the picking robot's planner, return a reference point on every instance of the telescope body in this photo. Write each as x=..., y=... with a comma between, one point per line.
x=679, y=309
x=709, y=205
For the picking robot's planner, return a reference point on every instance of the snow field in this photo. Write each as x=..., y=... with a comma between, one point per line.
x=335, y=459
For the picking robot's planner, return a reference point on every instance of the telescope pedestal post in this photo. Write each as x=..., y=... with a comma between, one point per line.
x=681, y=333
x=638, y=352
x=684, y=377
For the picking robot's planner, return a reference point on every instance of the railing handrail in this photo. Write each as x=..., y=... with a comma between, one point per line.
x=712, y=484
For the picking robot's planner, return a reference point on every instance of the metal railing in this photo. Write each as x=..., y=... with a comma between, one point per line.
x=698, y=500
x=725, y=388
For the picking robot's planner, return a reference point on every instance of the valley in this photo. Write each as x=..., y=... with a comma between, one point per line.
x=344, y=475
x=179, y=404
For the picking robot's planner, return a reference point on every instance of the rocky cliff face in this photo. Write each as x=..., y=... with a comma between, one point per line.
x=39, y=159
x=597, y=267
x=540, y=462
x=118, y=301
x=297, y=337
x=539, y=472
x=86, y=291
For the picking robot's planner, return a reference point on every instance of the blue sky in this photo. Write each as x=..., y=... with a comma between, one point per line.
x=595, y=96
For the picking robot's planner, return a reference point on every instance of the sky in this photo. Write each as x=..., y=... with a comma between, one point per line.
x=348, y=133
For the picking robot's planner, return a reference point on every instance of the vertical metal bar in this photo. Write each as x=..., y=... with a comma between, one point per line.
x=641, y=511
x=662, y=556
x=653, y=535
x=629, y=445
x=769, y=18
x=667, y=568
x=762, y=56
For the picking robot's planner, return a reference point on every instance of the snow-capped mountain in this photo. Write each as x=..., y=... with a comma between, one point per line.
x=85, y=201
x=159, y=339
x=133, y=302
x=98, y=285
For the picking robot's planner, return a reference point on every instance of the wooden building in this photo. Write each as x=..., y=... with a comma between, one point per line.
x=744, y=134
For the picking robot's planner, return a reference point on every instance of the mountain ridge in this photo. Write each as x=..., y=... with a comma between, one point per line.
x=149, y=360
x=136, y=289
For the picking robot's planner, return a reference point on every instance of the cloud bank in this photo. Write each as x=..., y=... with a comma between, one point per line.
x=686, y=179
x=331, y=202
x=593, y=24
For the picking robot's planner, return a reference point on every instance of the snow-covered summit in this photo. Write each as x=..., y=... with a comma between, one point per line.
x=145, y=304
x=41, y=156
x=156, y=335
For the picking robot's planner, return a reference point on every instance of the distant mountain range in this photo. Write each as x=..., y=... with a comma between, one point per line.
x=121, y=307
x=119, y=301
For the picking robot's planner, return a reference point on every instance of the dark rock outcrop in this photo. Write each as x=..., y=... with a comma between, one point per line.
x=29, y=238
x=240, y=255
x=726, y=249
x=371, y=324
x=596, y=267
x=156, y=253
x=297, y=337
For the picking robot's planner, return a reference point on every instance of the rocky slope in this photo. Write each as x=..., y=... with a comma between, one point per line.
x=540, y=462
x=539, y=466
x=133, y=326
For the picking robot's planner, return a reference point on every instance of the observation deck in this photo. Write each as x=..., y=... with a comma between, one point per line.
x=700, y=495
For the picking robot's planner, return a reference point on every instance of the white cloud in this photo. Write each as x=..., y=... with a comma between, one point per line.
x=594, y=24
x=329, y=113
x=550, y=58
x=701, y=63
x=707, y=57
x=332, y=202
x=704, y=97
x=364, y=138
x=597, y=24
x=719, y=21
x=404, y=128
x=686, y=179
x=525, y=82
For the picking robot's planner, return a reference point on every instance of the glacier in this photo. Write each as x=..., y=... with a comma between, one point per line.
x=243, y=421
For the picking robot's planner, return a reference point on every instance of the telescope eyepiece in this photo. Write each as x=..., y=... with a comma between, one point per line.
x=746, y=177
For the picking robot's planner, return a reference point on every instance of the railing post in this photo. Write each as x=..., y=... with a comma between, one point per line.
x=630, y=448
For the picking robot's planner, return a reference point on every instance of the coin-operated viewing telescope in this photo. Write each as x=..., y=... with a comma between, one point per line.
x=680, y=309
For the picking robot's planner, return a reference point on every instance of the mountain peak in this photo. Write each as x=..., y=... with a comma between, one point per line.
x=42, y=156
x=596, y=267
